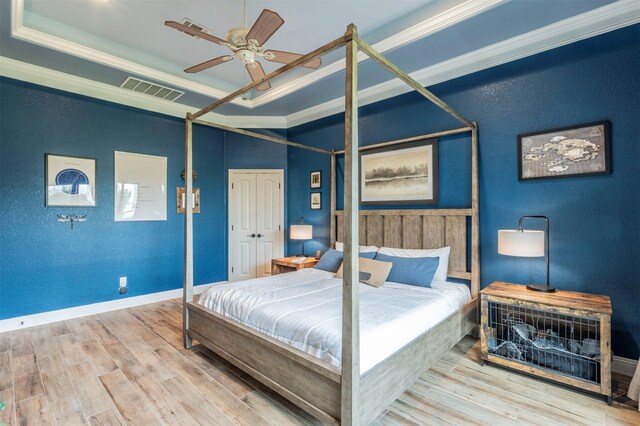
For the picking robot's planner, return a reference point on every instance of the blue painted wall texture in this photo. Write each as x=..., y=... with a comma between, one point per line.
x=595, y=233
x=44, y=264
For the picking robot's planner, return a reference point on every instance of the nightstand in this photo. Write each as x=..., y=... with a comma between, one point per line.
x=286, y=264
x=563, y=336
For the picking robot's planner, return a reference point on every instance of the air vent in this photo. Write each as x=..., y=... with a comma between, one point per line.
x=189, y=23
x=151, y=89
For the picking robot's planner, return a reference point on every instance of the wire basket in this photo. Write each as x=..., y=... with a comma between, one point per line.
x=562, y=343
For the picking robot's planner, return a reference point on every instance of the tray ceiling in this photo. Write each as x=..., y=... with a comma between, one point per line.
x=100, y=43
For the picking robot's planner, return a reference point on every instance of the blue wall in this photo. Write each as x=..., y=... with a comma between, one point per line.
x=595, y=234
x=44, y=264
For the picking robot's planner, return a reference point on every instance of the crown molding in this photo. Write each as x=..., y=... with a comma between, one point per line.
x=70, y=83
x=448, y=18
x=595, y=22
x=30, y=35
x=429, y=26
x=589, y=24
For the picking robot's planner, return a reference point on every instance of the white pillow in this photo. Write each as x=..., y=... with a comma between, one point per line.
x=442, y=253
x=362, y=249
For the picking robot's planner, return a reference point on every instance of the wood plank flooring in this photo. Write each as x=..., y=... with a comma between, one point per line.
x=129, y=367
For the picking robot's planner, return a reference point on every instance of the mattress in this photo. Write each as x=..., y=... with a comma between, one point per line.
x=303, y=309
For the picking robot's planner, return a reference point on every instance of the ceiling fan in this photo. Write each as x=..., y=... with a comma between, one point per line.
x=246, y=44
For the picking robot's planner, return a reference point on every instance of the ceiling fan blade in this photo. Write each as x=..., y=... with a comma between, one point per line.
x=286, y=57
x=208, y=64
x=267, y=23
x=185, y=29
x=256, y=74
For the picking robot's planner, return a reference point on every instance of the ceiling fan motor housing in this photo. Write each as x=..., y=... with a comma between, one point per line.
x=237, y=37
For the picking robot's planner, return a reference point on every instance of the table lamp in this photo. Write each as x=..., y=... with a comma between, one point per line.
x=301, y=232
x=527, y=243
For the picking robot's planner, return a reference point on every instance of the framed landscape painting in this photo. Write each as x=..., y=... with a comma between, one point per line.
x=400, y=175
x=570, y=151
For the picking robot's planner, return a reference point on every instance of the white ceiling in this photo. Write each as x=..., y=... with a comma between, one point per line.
x=91, y=46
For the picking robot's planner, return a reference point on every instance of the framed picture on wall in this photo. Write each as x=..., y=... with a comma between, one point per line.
x=400, y=174
x=140, y=187
x=581, y=150
x=70, y=181
x=316, y=201
x=316, y=179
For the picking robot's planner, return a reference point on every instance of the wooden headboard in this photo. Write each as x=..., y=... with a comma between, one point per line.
x=415, y=229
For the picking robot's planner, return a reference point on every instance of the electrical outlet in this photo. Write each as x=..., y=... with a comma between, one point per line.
x=123, y=285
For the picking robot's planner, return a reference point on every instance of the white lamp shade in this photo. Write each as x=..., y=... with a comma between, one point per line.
x=525, y=243
x=301, y=232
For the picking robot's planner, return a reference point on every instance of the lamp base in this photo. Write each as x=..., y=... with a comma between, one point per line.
x=541, y=288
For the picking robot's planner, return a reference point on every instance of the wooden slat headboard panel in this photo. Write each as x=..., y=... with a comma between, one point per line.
x=416, y=229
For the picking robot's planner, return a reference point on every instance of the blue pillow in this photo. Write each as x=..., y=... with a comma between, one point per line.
x=418, y=271
x=331, y=260
x=368, y=254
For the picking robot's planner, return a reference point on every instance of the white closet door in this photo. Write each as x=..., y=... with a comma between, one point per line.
x=269, y=227
x=242, y=221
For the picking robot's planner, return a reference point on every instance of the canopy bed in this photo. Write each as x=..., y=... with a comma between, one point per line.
x=343, y=391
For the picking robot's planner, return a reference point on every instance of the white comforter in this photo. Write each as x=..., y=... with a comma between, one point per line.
x=303, y=309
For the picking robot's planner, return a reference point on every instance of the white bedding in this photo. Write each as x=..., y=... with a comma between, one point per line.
x=303, y=309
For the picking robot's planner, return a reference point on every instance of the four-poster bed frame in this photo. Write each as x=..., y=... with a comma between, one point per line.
x=344, y=394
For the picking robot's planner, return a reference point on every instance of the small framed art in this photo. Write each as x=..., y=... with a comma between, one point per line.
x=581, y=150
x=181, y=200
x=70, y=181
x=316, y=201
x=316, y=179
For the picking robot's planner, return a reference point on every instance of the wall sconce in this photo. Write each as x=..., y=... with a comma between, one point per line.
x=181, y=200
x=194, y=175
x=72, y=218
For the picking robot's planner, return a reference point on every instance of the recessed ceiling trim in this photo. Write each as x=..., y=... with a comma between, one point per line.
x=27, y=34
x=30, y=73
x=443, y=20
x=589, y=24
x=446, y=19
x=598, y=21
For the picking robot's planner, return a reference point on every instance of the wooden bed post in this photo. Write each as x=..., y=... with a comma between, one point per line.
x=475, y=218
x=332, y=241
x=187, y=295
x=350, y=389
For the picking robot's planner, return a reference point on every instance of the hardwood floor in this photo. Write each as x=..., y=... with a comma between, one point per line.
x=129, y=367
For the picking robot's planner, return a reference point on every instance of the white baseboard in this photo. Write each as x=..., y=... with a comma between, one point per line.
x=95, y=308
x=624, y=366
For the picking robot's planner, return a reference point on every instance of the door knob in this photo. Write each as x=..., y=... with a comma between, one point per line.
x=252, y=235
x=260, y=235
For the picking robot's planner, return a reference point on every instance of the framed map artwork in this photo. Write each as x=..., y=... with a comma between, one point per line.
x=569, y=151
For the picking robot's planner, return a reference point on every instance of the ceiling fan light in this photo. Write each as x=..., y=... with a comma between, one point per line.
x=247, y=57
